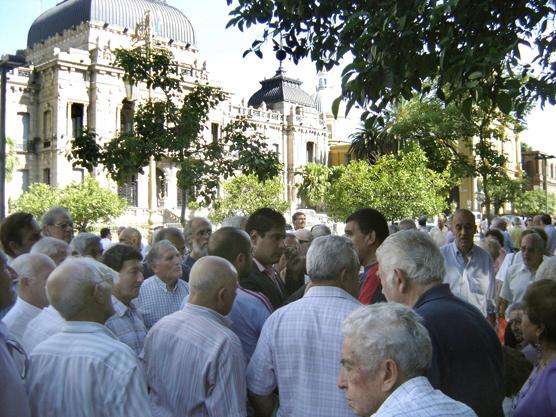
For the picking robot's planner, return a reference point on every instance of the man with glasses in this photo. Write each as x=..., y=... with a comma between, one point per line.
x=197, y=233
x=57, y=223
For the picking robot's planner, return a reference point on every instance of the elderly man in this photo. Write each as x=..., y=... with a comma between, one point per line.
x=57, y=223
x=164, y=292
x=18, y=233
x=520, y=275
x=197, y=233
x=299, y=348
x=83, y=370
x=385, y=354
x=250, y=309
x=547, y=270
x=87, y=244
x=267, y=230
x=13, y=398
x=469, y=269
x=132, y=237
x=439, y=233
x=467, y=356
x=175, y=236
x=367, y=228
x=304, y=237
x=501, y=223
x=127, y=323
x=55, y=249
x=193, y=361
x=32, y=270
x=319, y=230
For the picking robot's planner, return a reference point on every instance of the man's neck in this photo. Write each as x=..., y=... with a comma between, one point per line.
x=369, y=260
x=416, y=291
x=122, y=299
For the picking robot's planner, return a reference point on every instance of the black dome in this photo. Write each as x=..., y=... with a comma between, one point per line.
x=169, y=21
x=281, y=88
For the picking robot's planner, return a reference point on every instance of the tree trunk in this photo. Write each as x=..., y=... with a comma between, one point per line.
x=184, y=203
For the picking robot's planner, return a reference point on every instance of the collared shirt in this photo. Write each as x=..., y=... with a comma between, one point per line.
x=195, y=366
x=248, y=315
x=417, y=398
x=439, y=235
x=551, y=233
x=156, y=300
x=13, y=399
x=509, y=260
x=83, y=371
x=472, y=281
x=299, y=352
x=127, y=324
x=518, y=278
x=19, y=317
x=47, y=323
x=272, y=274
x=106, y=243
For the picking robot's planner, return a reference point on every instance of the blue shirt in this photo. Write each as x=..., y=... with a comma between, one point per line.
x=551, y=233
x=299, y=352
x=127, y=325
x=156, y=300
x=473, y=281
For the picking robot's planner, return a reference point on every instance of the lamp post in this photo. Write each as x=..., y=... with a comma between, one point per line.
x=7, y=63
x=545, y=175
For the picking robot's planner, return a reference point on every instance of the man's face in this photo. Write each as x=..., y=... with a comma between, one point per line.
x=8, y=280
x=267, y=249
x=168, y=266
x=299, y=222
x=200, y=234
x=61, y=229
x=515, y=324
x=362, y=387
x=29, y=236
x=131, y=278
x=532, y=253
x=463, y=228
x=360, y=241
x=440, y=223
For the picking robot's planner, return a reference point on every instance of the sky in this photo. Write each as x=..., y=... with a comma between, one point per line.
x=223, y=49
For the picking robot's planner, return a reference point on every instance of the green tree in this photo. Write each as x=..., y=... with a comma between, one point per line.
x=471, y=50
x=534, y=202
x=244, y=194
x=506, y=190
x=171, y=129
x=399, y=187
x=87, y=202
x=12, y=163
x=315, y=182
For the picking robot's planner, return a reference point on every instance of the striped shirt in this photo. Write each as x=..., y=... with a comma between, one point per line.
x=417, y=398
x=19, y=317
x=83, y=371
x=299, y=352
x=127, y=325
x=195, y=366
x=47, y=323
x=156, y=300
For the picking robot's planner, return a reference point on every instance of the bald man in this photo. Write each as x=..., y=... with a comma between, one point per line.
x=198, y=343
x=83, y=370
x=32, y=269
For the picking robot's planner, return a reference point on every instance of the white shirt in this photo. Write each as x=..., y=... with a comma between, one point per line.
x=439, y=236
x=106, y=243
x=19, y=317
x=83, y=371
x=518, y=279
x=509, y=260
x=47, y=323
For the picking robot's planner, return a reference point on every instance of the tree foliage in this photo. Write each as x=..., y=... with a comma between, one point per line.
x=88, y=202
x=399, y=187
x=471, y=50
x=534, y=202
x=244, y=194
x=315, y=182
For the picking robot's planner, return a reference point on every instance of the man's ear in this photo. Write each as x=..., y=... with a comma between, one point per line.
x=371, y=238
x=390, y=375
x=24, y=281
x=254, y=235
x=400, y=281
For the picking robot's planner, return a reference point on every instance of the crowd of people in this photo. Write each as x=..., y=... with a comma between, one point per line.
x=263, y=318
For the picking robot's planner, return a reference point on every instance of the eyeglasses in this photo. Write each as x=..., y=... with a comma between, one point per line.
x=64, y=225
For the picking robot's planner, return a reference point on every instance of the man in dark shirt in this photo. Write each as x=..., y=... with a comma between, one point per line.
x=467, y=356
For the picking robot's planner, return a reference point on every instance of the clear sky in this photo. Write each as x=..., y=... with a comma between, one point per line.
x=223, y=48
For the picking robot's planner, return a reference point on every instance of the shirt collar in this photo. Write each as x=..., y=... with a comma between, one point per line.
x=27, y=306
x=162, y=284
x=86, y=327
x=120, y=308
x=208, y=313
x=460, y=253
x=260, y=266
x=327, y=291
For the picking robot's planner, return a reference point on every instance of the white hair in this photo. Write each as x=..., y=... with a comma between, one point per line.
x=389, y=331
x=50, y=246
x=415, y=253
x=30, y=265
x=235, y=221
x=156, y=252
x=328, y=256
x=547, y=269
x=80, y=242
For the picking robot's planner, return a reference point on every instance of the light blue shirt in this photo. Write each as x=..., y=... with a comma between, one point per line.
x=417, y=398
x=551, y=233
x=299, y=352
x=473, y=281
x=156, y=300
x=127, y=325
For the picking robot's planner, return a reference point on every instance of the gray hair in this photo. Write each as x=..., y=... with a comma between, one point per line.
x=156, y=252
x=49, y=218
x=319, y=230
x=389, y=331
x=85, y=272
x=188, y=229
x=80, y=242
x=407, y=224
x=30, y=265
x=498, y=221
x=415, y=253
x=235, y=221
x=547, y=269
x=50, y=246
x=328, y=256
x=536, y=238
x=492, y=246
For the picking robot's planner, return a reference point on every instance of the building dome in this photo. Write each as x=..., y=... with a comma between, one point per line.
x=279, y=89
x=168, y=21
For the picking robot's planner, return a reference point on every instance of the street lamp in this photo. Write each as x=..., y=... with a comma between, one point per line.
x=545, y=175
x=7, y=63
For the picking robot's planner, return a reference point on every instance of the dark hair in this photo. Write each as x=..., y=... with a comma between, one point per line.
x=422, y=220
x=116, y=255
x=297, y=214
x=105, y=231
x=515, y=370
x=264, y=219
x=369, y=219
x=11, y=229
x=164, y=234
x=546, y=219
x=496, y=234
x=228, y=242
x=540, y=306
x=538, y=230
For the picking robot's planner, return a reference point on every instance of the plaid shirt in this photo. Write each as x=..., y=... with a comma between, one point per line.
x=127, y=325
x=156, y=300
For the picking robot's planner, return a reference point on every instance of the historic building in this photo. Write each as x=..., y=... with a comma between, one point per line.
x=69, y=83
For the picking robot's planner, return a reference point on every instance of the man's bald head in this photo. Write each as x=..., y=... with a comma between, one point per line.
x=33, y=269
x=234, y=245
x=212, y=284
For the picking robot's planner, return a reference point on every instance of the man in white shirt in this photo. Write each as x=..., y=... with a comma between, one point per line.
x=385, y=355
x=32, y=269
x=439, y=233
x=83, y=371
